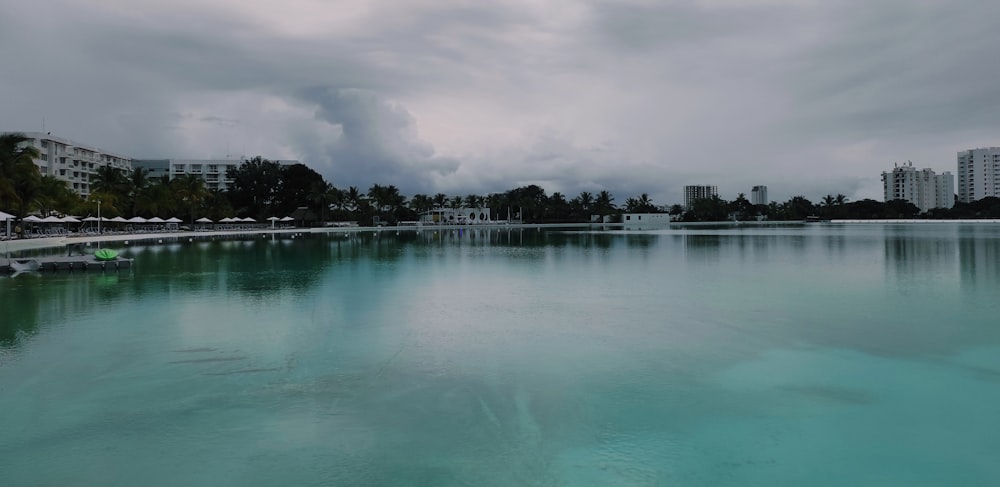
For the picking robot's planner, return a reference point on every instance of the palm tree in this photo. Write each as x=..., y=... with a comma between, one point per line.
x=354, y=198
x=604, y=203
x=191, y=191
x=321, y=195
x=110, y=180
x=440, y=200
x=54, y=196
x=19, y=176
x=421, y=203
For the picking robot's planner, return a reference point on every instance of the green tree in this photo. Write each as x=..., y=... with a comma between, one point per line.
x=54, y=196
x=604, y=204
x=111, y=180
x=191, y=191
x=20, y=178
x=255, y=187
x=642, y=204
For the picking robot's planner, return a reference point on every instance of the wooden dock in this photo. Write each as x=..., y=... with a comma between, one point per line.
x=77, y=263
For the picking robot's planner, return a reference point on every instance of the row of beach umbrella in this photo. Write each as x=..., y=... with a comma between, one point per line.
x=138, y=219
x=244, y=220
x=117, y=219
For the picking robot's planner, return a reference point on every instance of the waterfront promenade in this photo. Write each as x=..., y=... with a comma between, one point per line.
x=17, y=245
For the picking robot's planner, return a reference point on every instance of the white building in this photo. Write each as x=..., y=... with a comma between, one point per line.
x=73, y=162
x=692, y=193
x=921, y=187
x=758, y=195
x=212, y=171
x=978, y=174
x=646, y=218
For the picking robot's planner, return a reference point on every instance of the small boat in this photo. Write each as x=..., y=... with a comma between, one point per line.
x=25, y=265
x=105, y=254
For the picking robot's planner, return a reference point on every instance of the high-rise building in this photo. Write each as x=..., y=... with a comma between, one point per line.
x=978, y=174
x=692, y=193
x=758, y=195
x=73, y=162
x=922, y=187
x=212, y=171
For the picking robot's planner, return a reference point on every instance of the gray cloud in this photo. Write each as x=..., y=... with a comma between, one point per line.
x=630, y=96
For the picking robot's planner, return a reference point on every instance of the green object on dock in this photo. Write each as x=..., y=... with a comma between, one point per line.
x=105, y=254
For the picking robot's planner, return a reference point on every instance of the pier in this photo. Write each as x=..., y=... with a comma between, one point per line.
x=79, y=263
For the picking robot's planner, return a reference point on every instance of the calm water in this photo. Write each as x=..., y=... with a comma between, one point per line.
x=817, y=355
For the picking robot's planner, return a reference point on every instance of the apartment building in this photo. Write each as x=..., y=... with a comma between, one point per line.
x=758, y=195
x=922, y=187
x=692, y=193
x=978, y=174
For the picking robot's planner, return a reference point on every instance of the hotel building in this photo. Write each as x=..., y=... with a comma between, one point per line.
x=978, y=174
x=212, y=171
x=72, y=162
x=758, y=195
x=922, y=187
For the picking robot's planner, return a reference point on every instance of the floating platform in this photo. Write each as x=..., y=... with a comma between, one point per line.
x=78, y=263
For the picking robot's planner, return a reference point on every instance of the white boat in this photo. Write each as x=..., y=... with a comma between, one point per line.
x=24, y=265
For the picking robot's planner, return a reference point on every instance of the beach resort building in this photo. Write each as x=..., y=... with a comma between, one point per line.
x=212, y=171
x=922, y=187
x=692, y=193
x=758, y=195
x=72, y=162
x=978, y=174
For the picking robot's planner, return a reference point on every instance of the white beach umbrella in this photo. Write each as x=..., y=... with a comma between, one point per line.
x=287, y=219
x=70, y=219
x=226, y=220
x=117, y=219
x=173, y=219
x=204, y=220
x=137, y=219
x=156, y=219
x=249, y=220
x=52, y=219
x=32, y=219
x=6, y=216
x=90, y=219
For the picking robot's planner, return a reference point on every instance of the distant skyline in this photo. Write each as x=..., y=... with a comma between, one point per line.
x=630, y=96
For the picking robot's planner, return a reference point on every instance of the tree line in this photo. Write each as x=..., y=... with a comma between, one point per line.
x=261, y=188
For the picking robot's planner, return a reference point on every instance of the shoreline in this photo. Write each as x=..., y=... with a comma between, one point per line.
x=18, y=245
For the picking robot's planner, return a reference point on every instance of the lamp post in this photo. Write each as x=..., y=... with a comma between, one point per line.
x=98, y=222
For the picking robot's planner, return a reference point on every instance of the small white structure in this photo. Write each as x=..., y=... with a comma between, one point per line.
x=456, y=216
x=645, y=218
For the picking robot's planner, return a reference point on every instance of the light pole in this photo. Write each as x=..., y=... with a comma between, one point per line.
x=98, y=222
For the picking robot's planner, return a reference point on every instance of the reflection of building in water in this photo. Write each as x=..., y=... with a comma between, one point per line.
x=456, y=216
x=979, y=258
x=911, y=257
x=921, y=187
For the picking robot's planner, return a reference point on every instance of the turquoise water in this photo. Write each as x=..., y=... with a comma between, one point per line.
x=821, y=355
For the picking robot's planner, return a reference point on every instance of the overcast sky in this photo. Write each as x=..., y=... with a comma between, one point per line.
x=805, y=96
